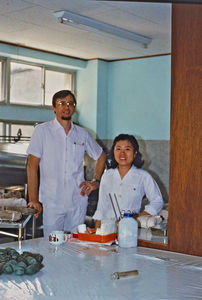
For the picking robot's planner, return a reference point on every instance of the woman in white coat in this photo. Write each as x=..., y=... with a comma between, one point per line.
x=128, y=182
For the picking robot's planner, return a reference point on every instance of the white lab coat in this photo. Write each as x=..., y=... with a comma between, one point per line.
x=61, y=171
x=129, y=192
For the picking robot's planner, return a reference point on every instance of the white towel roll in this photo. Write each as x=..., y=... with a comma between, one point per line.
x=149, y=221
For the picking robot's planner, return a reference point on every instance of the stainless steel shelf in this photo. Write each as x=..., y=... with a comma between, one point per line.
x=20, y=226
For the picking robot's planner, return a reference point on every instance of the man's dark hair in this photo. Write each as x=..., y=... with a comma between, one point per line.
x=62, y=94
x=137, y=162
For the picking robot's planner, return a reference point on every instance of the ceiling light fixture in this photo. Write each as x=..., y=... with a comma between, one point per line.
x=92, y=25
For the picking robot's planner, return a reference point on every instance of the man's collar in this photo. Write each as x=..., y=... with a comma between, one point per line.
x=57, y=125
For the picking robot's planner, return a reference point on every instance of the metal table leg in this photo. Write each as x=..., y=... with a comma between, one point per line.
x=33, y=226
x=24, y=233
x=20, y=233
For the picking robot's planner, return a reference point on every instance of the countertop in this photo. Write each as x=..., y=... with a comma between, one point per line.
x=78, y=270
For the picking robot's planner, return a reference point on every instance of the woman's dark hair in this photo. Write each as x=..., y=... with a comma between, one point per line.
x=62, y=94
x=137, y=162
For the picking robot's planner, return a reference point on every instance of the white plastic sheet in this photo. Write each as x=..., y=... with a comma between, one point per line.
x=78, y=270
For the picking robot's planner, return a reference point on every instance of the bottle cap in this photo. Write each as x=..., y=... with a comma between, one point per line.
x=128, y=215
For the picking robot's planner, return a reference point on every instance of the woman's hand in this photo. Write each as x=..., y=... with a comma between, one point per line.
x=97, y=224
x=143, y=213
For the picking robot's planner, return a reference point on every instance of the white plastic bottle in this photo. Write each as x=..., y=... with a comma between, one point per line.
x=127, y=231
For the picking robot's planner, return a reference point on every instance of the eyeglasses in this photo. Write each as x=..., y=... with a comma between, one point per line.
x=68, y=103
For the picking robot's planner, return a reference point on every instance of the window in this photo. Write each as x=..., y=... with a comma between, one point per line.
x=31, y=85
x=35, y=85
x=12, y=132
x=25, y=130
x=25, y=84
x=54, y=82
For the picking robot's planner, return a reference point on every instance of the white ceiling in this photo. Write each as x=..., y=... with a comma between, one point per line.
x=31, y=23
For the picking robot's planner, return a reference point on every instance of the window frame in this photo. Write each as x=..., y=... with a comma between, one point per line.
x=4, y=80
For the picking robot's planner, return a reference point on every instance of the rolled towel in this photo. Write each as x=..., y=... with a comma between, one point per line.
x=13, y=202
x=10, y=216
x=149, y=221
x=164, y=213
x=107, y=227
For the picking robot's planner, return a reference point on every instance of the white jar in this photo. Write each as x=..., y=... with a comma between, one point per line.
x=128, y=231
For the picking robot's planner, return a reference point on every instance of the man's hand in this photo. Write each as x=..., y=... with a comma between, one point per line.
x=88, y=186
x=32, y=179
x=36, y=205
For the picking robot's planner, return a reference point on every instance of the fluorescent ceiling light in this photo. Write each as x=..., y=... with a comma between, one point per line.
x=89, y=24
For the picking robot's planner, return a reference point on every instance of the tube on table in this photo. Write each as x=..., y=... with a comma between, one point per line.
x=118, y=275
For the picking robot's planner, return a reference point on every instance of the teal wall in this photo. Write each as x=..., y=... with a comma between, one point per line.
x=86, y=93
x=139, y=98
x=15, y=113
x=92, y=90
x=131, y=96
x=102, y=100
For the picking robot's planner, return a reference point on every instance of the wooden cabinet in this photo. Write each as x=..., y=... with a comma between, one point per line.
x=185, y=201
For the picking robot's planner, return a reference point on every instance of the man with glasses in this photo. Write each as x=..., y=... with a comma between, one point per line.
x=57, y=147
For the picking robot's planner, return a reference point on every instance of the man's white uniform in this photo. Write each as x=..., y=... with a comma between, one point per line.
x=61, y=173
x=129, y=191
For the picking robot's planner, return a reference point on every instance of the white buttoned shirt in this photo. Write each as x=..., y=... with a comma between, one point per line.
x=61, y=163
x=129, y=191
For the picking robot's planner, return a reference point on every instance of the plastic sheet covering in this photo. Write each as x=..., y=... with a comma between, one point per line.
x=79, y=270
